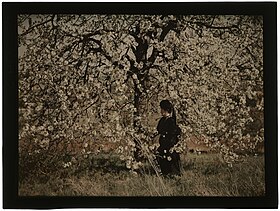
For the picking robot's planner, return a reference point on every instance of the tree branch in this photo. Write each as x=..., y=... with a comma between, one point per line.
x=37, y=25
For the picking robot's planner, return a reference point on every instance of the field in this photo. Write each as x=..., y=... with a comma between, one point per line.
x=106, y=175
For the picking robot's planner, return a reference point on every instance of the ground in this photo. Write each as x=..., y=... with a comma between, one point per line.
x=202, y=175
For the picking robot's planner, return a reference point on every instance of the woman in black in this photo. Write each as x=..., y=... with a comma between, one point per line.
x=168, y=130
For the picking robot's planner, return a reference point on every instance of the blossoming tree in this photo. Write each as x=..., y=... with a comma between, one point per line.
x=84, y=78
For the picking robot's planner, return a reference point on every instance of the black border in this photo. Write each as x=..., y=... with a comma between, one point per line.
x=10, y=106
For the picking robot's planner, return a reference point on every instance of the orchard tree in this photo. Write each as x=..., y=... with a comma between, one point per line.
x=84, y=78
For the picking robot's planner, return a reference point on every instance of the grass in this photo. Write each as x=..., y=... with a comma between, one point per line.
x=202, y=175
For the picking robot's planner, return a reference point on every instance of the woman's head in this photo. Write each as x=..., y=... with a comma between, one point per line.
x=166, y=108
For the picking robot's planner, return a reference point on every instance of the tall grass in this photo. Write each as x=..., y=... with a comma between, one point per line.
x=202, y=175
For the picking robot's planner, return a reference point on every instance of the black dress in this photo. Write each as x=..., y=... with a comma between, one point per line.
x=169, y=162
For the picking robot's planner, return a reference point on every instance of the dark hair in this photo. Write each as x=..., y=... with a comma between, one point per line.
x=167, y=106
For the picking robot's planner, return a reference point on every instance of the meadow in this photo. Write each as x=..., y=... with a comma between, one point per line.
x=106, y=175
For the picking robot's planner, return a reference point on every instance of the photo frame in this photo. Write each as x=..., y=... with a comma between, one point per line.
x=11, y=199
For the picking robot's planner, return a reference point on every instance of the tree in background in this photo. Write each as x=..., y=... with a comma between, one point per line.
x=84, y=78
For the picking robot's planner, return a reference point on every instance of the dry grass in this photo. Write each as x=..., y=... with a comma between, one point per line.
x=203, y=175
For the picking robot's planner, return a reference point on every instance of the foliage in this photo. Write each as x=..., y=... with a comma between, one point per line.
x=89, y=78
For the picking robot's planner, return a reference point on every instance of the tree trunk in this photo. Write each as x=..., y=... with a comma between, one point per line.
x=137, y=123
